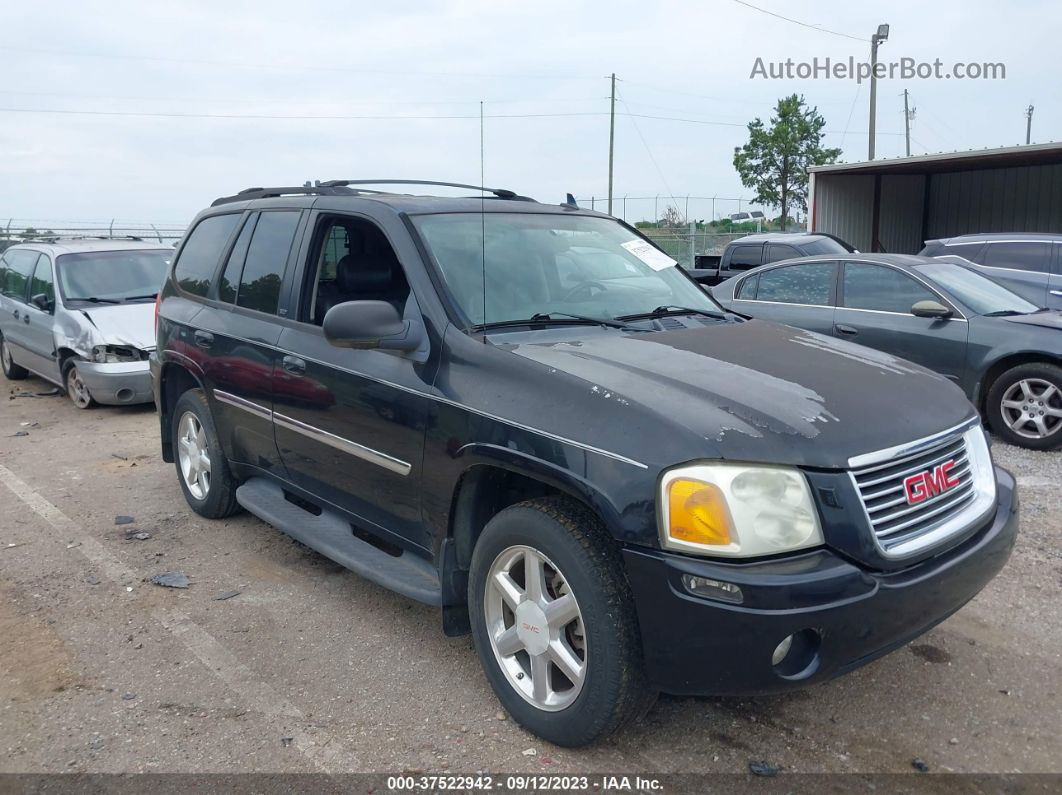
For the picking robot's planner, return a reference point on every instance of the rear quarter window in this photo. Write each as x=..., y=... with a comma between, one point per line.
x=199, y=257
x=1033, y=256
x=742, y=258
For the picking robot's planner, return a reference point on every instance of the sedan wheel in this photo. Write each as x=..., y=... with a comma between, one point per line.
x=193, y=455
x=1032, y=408
x=536, y=628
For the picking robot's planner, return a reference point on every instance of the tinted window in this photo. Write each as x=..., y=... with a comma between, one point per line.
x=971, y=252
x=201, y=252
x=1032, y=256
x=747, y=289
x=17, y=267
x=776, y=252
x=113, y=275
x=42, y=282
x=882, y=289
x=744, y=257
x=266, y=256
x=826, y=245
x=798, y=284
x=230, y=277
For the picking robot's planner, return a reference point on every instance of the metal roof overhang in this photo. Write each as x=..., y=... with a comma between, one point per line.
x=1005, y=157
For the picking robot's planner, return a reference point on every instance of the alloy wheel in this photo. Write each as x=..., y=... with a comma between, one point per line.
x=5, y=355
x=1032, y=408
x=193, y=454
x=77, y=390
x=536, y=628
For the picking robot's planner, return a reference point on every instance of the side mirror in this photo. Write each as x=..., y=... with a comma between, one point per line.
x=371, y=324
x=42, y=302
x=933, y=309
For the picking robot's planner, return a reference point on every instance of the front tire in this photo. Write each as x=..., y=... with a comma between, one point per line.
x=76, y=389
x=12, y=371
x=1024, y=406
x=554, y=622
x=202, y=470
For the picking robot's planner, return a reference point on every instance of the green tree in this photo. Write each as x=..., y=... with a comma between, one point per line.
x=775, y=160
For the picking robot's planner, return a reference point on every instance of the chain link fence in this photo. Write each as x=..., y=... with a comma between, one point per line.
x=18, y=230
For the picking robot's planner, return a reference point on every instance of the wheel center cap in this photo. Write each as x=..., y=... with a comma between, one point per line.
x=531, y=627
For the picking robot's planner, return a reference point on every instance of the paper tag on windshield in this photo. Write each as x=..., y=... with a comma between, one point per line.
x=650, y=255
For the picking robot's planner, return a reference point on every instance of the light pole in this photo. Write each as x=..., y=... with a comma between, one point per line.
x=878, y=38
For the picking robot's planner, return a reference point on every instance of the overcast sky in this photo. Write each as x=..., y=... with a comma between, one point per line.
x=685, y=60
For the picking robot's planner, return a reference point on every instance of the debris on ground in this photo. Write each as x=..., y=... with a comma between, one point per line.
x=20, y=433
x=47, y=393
x=529, y=752
x=140, y=536
x=120, y=457
x=221, y=597
x=287, y=741
x=128, y=696
x=92, y=579
x=919, y=765
x=761, y=768
x=12, y=546
x=171, y=579
x=124, y=520
x=499, y=715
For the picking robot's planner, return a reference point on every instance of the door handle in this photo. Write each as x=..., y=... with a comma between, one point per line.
x=25, y=318
x=1056, y=292
x=841, y=328
x=17, y=314
x=293, y=365
x=204, y=339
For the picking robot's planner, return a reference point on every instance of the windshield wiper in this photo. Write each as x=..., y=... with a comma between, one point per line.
x=552, y=318
x=671, y=309
x=152, y=296
x=94, y=300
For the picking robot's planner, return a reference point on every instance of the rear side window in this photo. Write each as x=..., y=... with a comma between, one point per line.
x=744, y=257
x=1032, y=256
x=882, y=289
x=230, y=277
x=199, y=256
x=776, y=252
x=17, y=267
x=267, y=255
x=798, y=284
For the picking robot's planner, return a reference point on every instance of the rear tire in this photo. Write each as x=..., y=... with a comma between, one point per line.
x=12, y=371
x=1024, y=406
x=569, y=671
x=202, y=469
x=75, y=388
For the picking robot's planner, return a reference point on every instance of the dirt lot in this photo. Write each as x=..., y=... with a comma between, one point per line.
x=310, y=668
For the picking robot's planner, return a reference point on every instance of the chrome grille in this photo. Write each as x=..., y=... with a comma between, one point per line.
x=901, y=528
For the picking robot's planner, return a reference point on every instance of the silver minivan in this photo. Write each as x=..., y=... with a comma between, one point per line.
x=79, y=312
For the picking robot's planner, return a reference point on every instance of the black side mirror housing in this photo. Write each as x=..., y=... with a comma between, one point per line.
x=933, y=309
x=371, y=324
x=42, y=302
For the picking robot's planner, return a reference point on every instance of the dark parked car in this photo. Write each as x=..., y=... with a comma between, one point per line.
x=752, y=251
x=1029, y=264
x=1005, y=352
x=532, y=418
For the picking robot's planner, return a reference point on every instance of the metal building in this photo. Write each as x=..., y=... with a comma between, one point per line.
x=895, y=205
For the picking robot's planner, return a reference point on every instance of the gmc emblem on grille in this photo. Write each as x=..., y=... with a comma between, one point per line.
x=926, y=485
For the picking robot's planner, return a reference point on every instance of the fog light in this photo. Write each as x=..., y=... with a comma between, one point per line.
x=713, y=589
x=781, y=650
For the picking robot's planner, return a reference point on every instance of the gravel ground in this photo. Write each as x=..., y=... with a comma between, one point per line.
x=309, y=668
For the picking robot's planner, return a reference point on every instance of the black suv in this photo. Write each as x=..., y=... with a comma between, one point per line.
x=529, y=416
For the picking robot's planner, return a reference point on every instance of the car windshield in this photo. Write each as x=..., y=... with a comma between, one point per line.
x=536, y=264
x=112, y=276
x=982, y=295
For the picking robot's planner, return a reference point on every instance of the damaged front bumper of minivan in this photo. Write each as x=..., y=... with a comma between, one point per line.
x=116, y=383
x=790, y=622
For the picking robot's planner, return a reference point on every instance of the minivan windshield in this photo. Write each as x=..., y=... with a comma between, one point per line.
x=538, y=264
x=112, y=276
x=982, y=295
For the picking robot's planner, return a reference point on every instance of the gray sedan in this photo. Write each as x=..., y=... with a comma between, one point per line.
x=1003, y=351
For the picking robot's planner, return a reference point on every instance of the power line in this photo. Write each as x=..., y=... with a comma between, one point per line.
x=649, y=151
x=798, y=22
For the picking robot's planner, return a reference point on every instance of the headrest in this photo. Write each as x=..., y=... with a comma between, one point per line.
x=363, y=273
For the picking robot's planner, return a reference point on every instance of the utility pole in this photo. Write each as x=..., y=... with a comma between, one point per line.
x=611, y=139
x=878, y=38
x=1028, y=124
x=907, y=116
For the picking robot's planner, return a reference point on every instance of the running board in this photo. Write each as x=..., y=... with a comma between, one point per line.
x=333, y=536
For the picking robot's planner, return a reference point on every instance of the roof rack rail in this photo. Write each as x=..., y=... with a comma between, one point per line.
x=56, y=238
x=501, y=193
x=266, y=193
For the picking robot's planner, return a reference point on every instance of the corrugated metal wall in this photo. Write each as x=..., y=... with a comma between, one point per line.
x=1019, y=199
x=843, y=207
x=1022, y=199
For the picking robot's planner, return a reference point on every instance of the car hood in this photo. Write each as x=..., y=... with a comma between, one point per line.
x=756, y=391
x=111, y=324
x=1048, y=319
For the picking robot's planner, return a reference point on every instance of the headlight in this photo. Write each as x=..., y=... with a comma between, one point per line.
x=109, y=354
x=737, y=510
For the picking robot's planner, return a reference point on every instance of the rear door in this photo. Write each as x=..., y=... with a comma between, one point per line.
x=1023, y=265
x=776, y=252
x=798, y=295
x=18, y=265
x=1054, y=285
x=874, y=309
x=39, y=323
x=742, y=257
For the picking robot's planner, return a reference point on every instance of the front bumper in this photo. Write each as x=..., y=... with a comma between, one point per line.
x=698, y=646
x=117, y=382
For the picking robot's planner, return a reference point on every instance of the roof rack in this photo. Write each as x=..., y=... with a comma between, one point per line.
x=266, y=193
x=501, y=193
x=57, y=238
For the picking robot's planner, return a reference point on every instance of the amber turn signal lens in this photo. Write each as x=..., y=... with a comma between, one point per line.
x=698, y=514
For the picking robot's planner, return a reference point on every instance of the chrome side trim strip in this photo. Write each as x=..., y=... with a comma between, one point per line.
x=246, y=405
x=390, y=463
